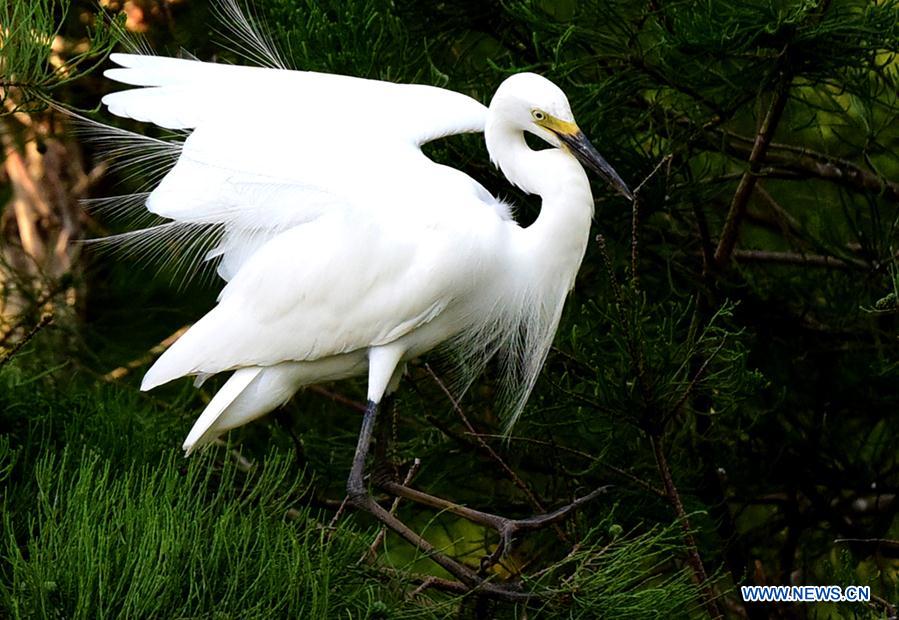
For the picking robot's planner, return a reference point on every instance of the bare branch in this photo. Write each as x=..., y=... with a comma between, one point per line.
x=731, y=229
x=793, y=258
x=44, y=322
x=143, y=360
x=694, y=559
x=382, y=533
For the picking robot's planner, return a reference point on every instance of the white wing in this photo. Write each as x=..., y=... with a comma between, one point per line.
x=273, y=148
x=183, y=94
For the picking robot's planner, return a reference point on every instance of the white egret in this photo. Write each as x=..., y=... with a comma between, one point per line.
x=347, y=251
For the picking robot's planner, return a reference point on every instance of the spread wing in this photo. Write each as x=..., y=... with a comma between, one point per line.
x=184, y=94
x=270, y=148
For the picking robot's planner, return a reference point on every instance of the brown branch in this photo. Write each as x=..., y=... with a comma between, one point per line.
x=693, y=558
x=788, y=224
x=43, y=301
x=731, y=229
x=44, y=322
x=439, y=583
x=337, y=398
x=485, y=588
x=880, y=542
x=425, y=581
x=808, y=162
x=382, y=533
x=887, y=606
x=793, y=258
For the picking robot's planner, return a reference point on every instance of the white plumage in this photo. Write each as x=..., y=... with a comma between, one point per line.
x=347, y=250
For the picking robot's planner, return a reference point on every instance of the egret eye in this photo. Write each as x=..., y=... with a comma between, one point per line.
x=538, y=115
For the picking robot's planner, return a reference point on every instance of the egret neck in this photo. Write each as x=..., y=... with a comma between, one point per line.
x=554, y=245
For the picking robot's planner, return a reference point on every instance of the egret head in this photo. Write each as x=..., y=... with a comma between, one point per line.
x=531, y=103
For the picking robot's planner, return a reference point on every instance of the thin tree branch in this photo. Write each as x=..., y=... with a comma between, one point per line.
x=382, y=533
x=694, y=559
x=884, y=542
x=731, y=229
x=793, y=258
x=143, y=360
x=808, y=162
x=44, y=322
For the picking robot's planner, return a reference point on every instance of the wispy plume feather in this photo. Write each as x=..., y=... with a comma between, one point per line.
x=241, y=33
x=178, y=248
x=187, y=250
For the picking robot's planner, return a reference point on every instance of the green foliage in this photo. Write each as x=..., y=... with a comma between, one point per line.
x=36, y=59
x=607, y=581
x=176, y=539
x=98, y=525
x=102, y=517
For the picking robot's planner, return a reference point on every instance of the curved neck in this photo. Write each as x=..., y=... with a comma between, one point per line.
x=554, y=245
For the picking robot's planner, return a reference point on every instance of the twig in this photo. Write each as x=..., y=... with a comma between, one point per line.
x=793, y=258
x=44, y=322
x=886, y=542
x=888, y=606
x=617, y=470
x=41, y=302
x=243, y=463
x=635, y=219
x=337, y=398
x=382, y=533
x=635, y=243
x=333, y=522
x=516, y=480
x=693, y=557
x=812, y=163
x=787, y=223
x=440, y=583
x=121, y=371
x=425, y=581
x=697, y=377
x=661, y=163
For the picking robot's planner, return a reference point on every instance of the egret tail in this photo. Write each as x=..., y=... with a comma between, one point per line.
x=209, y=424
x=249, y=394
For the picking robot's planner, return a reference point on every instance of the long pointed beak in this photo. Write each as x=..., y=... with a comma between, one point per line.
x=590, y=158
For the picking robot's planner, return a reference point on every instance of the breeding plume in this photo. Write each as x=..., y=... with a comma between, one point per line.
x=346, y=250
